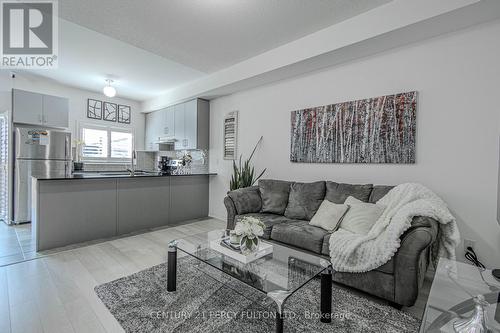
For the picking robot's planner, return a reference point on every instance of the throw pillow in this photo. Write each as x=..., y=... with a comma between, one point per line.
x=338, y=193
x=304, y=200
x=246, y=200
x=274, y=194
x=329, y=215
x=352, y=201
x=361, y=216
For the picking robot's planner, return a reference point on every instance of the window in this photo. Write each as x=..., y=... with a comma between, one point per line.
x=104, y=143
x=121, y=145
x=95, y=143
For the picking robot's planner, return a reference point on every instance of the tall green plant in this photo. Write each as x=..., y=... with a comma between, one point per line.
x=244, y=174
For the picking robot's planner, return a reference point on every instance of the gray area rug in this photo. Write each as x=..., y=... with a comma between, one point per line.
x=207, y=300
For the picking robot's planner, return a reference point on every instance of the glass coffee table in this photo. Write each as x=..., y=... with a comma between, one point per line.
x=278, y=274
x=451, y=300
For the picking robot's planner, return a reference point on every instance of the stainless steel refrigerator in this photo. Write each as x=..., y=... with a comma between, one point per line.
x=38, y=152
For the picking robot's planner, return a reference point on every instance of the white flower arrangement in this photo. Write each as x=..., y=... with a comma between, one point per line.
x=249, y=229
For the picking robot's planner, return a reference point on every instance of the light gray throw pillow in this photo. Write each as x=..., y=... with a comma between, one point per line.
x=361, y=216
x=329, y=215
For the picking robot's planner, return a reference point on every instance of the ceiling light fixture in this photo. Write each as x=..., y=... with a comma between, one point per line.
x=108, y=90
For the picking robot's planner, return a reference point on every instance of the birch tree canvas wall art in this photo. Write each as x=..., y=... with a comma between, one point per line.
x=374, y=130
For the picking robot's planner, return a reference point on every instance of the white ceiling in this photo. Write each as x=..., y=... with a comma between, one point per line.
x=209, y=35
x=87, y=58
x=149, y=47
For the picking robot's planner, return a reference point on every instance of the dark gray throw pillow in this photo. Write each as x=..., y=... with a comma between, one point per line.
x=337, y=192
x=304, y=200
x=246, y=200
x=274, y=194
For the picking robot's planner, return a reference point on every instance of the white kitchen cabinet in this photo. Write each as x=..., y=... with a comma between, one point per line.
x=27, y=107
x=153, y=130
x=148, y=139
x=187, y=123
x=157, y=126
x=160, y=125
x=39, y=109
x=180, y=142
x=55, y=111
x=196, y=118
x=191, y=124
x=168, y=122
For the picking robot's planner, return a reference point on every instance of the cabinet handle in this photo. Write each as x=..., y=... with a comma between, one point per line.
x=40, y=119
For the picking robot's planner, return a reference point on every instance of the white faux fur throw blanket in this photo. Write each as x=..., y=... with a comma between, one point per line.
x=351, y=252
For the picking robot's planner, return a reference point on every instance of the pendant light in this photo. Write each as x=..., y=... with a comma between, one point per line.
x=108, y=90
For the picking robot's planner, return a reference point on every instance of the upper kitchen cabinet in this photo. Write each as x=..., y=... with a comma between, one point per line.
x=160, y=128
x=39, y=109
x=185, y=124
x=27, y=107
x=180, y=142
x=193, y=118
x=191, y=124
x=153, y=130
x=55, y=111
x=168, y=122
x=148, y=134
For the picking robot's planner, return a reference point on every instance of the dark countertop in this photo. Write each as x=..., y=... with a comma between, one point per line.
x=111, y=175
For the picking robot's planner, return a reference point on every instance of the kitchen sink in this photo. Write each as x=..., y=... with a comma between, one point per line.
x=126, y=173
x=114, y=173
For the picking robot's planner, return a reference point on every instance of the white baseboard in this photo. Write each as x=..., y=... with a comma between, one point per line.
x=217, y=218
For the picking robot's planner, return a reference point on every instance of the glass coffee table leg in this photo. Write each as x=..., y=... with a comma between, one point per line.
x=172, y=267
x=279, y=297
x=326, y=296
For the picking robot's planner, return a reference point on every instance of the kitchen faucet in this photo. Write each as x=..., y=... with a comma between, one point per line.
x=132, y=165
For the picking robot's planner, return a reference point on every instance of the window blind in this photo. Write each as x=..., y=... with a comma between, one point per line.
x=231, y=135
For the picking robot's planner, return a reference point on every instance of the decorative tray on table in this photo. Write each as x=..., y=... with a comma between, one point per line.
x=225, y=247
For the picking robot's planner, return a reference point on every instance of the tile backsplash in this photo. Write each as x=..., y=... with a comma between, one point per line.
x=147, y=160
x=199, y=164
x=105, y=166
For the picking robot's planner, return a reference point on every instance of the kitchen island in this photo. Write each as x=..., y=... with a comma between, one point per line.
x=84, y=207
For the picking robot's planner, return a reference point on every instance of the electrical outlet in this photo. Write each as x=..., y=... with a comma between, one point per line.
x=469, y=243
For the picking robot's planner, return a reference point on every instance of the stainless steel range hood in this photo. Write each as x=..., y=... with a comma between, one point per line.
x=166, y=141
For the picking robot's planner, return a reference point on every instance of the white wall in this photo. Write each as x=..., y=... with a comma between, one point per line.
x=457, y=77
x=77, y=102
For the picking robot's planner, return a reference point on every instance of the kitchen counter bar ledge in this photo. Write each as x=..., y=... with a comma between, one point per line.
x=109, y=175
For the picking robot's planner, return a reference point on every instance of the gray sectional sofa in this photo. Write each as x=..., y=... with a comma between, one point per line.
x=287, y=207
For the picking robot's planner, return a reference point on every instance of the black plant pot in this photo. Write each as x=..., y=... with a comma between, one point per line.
x=77, y=166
